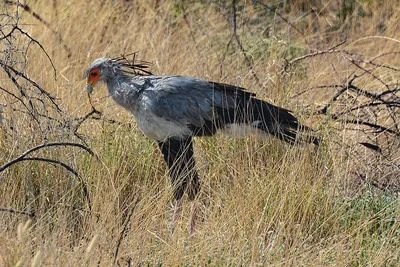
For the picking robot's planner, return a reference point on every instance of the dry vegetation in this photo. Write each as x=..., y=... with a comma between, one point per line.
x=262, y=202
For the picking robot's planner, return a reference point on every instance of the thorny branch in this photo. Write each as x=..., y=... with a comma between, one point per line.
x=17, y=28
x=388, y=103
x=8, y=68
x=28, y=9
x=28, y=97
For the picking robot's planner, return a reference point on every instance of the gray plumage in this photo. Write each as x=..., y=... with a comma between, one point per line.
x=172, y=109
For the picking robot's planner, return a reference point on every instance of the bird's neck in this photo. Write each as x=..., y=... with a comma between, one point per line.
x=125, y=90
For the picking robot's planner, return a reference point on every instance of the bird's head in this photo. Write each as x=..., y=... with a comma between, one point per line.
x=105, y=69
x=99, y=70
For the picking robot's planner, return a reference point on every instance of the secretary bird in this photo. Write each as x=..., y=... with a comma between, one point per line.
x=172, y=109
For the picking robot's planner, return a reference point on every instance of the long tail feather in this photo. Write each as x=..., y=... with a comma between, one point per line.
x=279, y=122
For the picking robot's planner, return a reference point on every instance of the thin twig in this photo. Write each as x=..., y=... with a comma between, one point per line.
x=32, y=40
x=364, y=92
x=18, y=98
x=28, y=9
x=283, y=18
x=356, y=121
x=23, y=155
x=33, y=83
x=373, y=104
x=343, y=89
x=68, y=168
x=393, y=91
x=84, y=118
x=27, y=213
x=354, y=62
x=248, y=61
x=124, y=230
x=318, y=53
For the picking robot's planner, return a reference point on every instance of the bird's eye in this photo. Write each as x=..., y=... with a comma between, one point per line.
x=94, y=74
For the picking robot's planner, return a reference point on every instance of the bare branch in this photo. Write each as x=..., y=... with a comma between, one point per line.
x=285, y=20
x=124, y=230
x=364, y=92
x=68, y=168
x=224, y=55
x=318, y=53
x=27, y=213
x=23, y=155
x=33, y=83
x=28, y=9
x=336, y=96
x=248, y=61
x=379, y=128
x=353, y=61
x=32, y=40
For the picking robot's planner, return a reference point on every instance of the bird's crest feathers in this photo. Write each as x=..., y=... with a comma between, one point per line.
x=133, y=65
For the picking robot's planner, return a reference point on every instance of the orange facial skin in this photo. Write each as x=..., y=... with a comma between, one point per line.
x=93, y=77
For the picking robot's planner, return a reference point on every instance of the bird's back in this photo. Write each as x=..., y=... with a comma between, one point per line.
x=190, y=106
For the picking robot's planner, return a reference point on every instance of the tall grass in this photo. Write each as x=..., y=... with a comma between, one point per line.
x=262, y=202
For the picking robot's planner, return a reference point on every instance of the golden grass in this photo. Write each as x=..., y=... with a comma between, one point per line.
x=262, y=202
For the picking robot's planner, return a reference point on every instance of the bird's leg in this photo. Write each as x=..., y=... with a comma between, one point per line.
x=192, y=223
x=178, y=155
x=177, y=210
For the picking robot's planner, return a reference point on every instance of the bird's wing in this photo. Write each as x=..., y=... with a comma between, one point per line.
x=205, y=106
x=195, y=102
x=178, y=154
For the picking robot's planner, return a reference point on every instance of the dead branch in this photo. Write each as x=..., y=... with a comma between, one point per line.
x=379, y=128
x=318, y=53
x=364, y=92
x=29, y=151
x=68, y=168
x=373, y=96
x=372, y=113
x=8, y=68
x=343, y=88
x=372, y=147
x=125, y=230
x=17, y=28
x=23, y=157
x=27, y=213
x=284, y=19
x=355, y=62
x=28, y=9
x=224, y=55
x=239, y=43
x=18, y=99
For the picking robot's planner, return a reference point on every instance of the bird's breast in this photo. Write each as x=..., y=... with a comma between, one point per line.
x=159, y=128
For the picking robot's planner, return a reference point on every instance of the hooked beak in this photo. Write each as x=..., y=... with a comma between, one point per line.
x=91, y=82
x=89, y=86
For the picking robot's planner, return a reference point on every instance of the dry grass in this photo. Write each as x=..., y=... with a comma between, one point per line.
x=262, y=202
